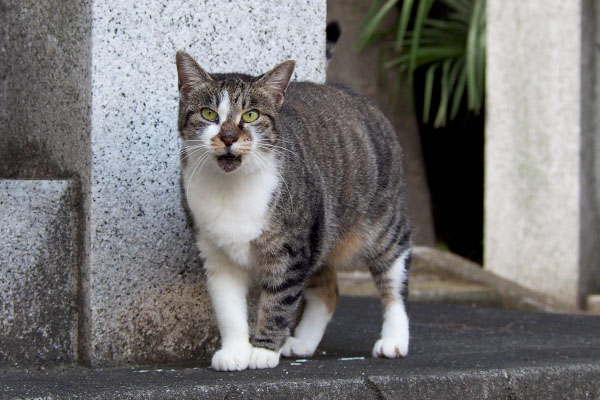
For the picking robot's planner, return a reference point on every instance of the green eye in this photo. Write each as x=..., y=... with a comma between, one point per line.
x=209, y=114
x=250, y=116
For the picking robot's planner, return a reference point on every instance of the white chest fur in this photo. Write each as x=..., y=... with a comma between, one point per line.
x=230, y=210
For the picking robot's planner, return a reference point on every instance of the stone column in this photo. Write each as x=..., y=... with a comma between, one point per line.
x=141, y=295
x=542, y=202
x=146, y=298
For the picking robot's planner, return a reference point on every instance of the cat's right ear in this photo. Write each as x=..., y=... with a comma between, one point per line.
x=189, y=72
x=276, y=81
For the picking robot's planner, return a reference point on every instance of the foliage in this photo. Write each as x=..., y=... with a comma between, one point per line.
x=450, y=49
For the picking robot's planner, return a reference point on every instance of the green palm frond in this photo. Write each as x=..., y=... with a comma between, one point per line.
x=451, y=50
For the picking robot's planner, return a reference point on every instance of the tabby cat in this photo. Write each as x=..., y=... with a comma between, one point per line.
x=286, y=181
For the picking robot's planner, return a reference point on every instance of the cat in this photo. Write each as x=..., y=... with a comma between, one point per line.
x=285, y=182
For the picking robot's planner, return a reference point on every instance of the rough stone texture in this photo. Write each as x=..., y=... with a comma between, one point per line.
x=146, y=296
x=359, y=71
x=89, y=91
x=45, y=88
x=541, y=216
x=457, y=352
x=38, y=273
x=45, y=100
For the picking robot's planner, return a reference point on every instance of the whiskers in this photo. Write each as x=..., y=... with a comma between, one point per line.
x=188, y=151
x=265, y=146
x=203, y=155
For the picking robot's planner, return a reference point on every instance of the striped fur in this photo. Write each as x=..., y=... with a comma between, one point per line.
x=317, y=183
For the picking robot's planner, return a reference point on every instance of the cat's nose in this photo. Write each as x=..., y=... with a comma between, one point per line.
x=228, y=137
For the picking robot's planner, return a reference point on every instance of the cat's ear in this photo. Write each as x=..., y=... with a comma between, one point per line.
x=189, y=72
x=276, y=81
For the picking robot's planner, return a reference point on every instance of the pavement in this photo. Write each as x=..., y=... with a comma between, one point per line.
x=457, y=352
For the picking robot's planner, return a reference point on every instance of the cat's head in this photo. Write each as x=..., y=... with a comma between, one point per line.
x=228, y=117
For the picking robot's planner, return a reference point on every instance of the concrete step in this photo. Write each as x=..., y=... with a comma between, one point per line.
x=457, y=352
x=443, y=277
x=425, y=287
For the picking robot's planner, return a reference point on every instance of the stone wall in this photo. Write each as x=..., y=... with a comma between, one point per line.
x=38, y=272
x=541, y=216
x=90, y=93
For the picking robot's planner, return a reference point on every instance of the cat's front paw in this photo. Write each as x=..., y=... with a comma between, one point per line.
x=294, y=347
x=263, y=358
x=232, y=357
x=391, y=348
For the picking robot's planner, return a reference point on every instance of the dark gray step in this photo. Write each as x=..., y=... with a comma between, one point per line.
x=457, y=352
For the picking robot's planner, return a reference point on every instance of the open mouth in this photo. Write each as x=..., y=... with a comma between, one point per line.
x=229, y=162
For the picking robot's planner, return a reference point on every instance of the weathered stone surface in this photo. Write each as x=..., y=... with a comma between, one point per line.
x=542, y=225
x=89, y=90
x=146, y=294
x=45, y=101
x=38, y=273
x=45, y=88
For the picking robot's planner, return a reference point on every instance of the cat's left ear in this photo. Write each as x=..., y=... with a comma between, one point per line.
x=276, y=81
x=189, y=72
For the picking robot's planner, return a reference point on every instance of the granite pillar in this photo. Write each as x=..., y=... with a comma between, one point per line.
x=542, y=207
x=105, y=115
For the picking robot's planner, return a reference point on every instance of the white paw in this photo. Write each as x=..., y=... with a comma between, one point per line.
x=263, y=358
x=294, y=347
x=232, y=357
x=391, y=348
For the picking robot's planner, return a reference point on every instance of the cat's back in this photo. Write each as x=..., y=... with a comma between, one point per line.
x=336, y=127
x=337, y=116
x=348, y=154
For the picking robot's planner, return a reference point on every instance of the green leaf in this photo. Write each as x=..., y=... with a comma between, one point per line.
x=458, y=5
x=422, y=12
x=453, y=43
x=372, y=24
x=474, y=101
x=440, y=119
x=407, y=7
x=428, y=91
x=459, y=92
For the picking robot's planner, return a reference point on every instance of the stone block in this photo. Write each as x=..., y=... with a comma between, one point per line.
x=542, y=212
x=105, y=111
x=146, y=296
x=38, y=273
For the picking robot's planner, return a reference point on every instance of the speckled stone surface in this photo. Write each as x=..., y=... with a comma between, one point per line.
x=45, y=98
x=542, y=214
x=146, y=296
x=38, y=273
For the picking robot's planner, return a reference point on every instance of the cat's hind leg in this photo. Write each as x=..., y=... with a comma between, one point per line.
x=390, y=272
x=320, y=297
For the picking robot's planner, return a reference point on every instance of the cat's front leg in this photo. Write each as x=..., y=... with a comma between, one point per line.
x=228, y=287
x=282, y=285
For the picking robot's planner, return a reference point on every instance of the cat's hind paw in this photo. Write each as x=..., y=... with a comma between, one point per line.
x=232, y=358
x=263, y=358
x=294, y=347
x=390, y=348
